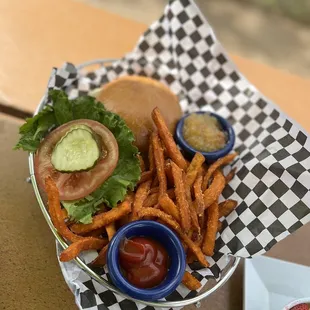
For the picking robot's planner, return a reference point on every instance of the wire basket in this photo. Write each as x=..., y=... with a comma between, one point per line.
x=208, y=289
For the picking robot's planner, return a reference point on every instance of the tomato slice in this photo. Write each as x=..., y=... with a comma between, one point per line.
x=76, y=185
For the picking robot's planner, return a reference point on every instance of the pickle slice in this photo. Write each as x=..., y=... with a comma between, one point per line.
x=76, y=151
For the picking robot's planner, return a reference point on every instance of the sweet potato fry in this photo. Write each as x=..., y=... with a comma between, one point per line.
x=197, y=239
x=189, y=235
x=219, y=226
x=130, y=197
x=194, y=217
x=123, y=221
x=173, y=152
x=154, y=190
x=230, y=175
x=190, y=258
x=142, y=164
x=64, y=214
x=141, y=194
x=168, y=219
x=96, y=233
x=215, y=189
x=168, y=172
x=152, y=199
x=226, y=207
x=101, y=259
x=145, y=176
x=220, y=162
x=181, y=197
x=110, y=230
x=74, y=249
x=103, y=219
x=193, y=169
x=56, y=213
x=155, y=182
x=190, y=281
x=211, y=229
x=151, y=157
x=192, y=209
x=169, y=207
x=159, y=163
x=200, y=205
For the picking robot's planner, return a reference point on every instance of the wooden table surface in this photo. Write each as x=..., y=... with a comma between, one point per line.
x=36, y=35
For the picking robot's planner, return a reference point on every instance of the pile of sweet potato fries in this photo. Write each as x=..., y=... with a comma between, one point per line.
x=180, y=194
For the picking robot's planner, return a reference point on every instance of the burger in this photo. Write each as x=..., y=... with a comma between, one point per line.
x=89, y=146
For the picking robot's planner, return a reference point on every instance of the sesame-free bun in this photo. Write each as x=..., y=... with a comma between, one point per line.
x=134, y=98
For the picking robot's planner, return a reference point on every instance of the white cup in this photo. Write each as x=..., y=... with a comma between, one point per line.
x=297, y=302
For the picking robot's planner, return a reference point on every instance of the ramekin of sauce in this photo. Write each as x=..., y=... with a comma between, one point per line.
x=205, y=132
x=146, y=260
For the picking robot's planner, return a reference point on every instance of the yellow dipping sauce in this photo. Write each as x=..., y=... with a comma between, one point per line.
x=203, y=132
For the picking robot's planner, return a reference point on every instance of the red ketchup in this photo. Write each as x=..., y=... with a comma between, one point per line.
x=144, y=261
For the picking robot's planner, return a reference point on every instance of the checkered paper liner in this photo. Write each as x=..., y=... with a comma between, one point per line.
x=273, y=167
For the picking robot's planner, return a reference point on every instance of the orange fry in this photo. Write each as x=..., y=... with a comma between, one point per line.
x=101, y=259
x=211, y=229
x=230, y=175
x=142, y=164
x=74, y=249
x=194, y=218
x=219, y=226
x=194, y=168
x=95, y=233
x=168, y=172
x=197, y=239
x=169, y=207
x=155, y=182
x=56, y=213
x=141, y=194
x=217, y=164
x=64, y=214
x=152, y=200
x=200, y=205
x=190, y=258
x=215, y=189
x=159, y=163
x=103, y=219
x=124, y=220
x=180, y=194
x=110, y=230
x=151, y=157
x=164, y=133
x=168, y=219
x=226, y=207
x=192, y=209
x=145, y=176
x=154, y=190
x=190, y=281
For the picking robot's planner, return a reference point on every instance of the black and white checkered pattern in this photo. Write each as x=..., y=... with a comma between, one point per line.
x=273, y=179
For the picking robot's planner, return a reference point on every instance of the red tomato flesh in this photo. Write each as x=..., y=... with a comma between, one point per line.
x=144, y=261
x=76, y=185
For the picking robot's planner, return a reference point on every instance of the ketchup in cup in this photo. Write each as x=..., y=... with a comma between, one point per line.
x=144, y=261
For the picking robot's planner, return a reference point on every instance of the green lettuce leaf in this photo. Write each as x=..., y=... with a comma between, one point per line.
x=127, y=172
x=81, y=214
x=35, y=128
x=62, y=106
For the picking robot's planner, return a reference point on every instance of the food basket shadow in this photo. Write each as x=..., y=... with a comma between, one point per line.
x=225, y=275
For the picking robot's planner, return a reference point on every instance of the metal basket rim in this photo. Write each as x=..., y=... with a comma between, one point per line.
x=80, y=263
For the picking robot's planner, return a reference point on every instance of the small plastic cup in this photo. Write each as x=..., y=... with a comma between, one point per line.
x=168, y=239
x=210, y=156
